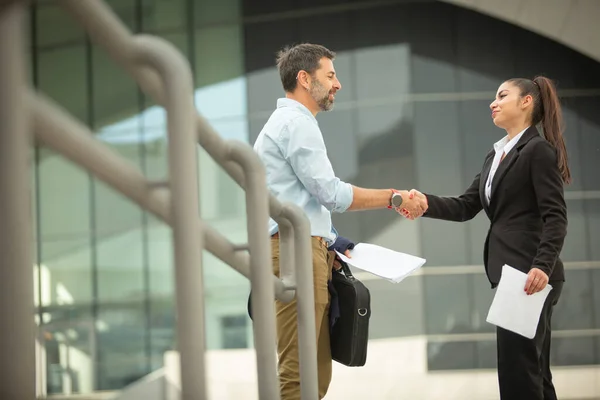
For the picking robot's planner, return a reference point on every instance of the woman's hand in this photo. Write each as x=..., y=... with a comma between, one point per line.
x=421, y=199
x=536, y=281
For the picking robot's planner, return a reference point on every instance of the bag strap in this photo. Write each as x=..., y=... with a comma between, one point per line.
x=346, y=270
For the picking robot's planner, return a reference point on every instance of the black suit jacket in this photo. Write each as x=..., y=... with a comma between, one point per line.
x=527, y=210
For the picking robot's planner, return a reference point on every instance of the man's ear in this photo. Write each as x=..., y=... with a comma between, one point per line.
x=304, y=79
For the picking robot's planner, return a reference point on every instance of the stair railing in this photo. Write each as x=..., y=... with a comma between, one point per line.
x=164, y=74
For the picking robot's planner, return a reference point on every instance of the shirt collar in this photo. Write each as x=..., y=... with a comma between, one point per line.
x=507, y=145
x=286, y=102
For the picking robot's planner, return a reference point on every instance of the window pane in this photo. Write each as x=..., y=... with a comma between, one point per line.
x=65, y=287
x=575, y=305
x=396, y=313
x=212, y=46
x=56, y=28
x=589, y=130
x=122, y=341
x=481, y=65
x=439, y=173
x=447, y=304
x=596, y=299
x=115, y=96
x=64, y=202
x=214, y=13
x=126, y=11
x=592, y=211
x=235, y=332
x=573, y=351
x=159, y=248
x=451, y=355
x=482, y=300
x=162, y=15
x=62, y=76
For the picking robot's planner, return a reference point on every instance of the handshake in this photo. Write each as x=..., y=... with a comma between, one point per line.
x=414, y=204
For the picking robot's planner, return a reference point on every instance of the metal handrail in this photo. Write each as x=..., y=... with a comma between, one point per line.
x=164, y=74
x=105, y=30
x=17, y=337
x=109, y=33
x=263, y=294
x=176, y=75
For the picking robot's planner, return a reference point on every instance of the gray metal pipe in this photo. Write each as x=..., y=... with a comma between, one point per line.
x=263, y=296
x=307, y=331
x=106, y=31
x=183, y=184
x=17, y=336
x=57, y=130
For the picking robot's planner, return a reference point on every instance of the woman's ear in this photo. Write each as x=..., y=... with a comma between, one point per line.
x=526, y=101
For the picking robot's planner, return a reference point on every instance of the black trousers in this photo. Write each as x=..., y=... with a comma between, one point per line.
x=524, y=364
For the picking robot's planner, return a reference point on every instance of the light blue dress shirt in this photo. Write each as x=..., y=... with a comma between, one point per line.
x=293, y=152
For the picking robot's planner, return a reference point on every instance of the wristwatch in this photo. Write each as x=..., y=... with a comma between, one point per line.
x=395, y=200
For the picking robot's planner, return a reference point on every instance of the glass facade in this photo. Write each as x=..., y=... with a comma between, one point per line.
x=417, y=79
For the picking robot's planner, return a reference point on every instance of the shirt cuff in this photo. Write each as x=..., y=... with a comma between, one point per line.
x=344, y=197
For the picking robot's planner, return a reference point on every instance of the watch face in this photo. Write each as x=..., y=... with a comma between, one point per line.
x=396, y=200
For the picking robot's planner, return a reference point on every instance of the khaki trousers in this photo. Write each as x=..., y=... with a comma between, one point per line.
x=287, y=325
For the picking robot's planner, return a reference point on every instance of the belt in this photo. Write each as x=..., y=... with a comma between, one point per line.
x=319, y=238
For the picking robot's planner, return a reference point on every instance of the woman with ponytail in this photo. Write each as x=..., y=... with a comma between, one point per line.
x=520, y=187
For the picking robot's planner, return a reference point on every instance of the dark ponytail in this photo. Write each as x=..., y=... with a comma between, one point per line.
x=547, y=111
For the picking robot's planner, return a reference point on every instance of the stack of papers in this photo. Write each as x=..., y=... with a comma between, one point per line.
x=514, y=310
x=385, y=263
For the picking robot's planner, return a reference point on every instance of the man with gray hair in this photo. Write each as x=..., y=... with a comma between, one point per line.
x=298, y=170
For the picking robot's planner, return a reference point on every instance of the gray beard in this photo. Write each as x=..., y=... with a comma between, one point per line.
x=321, y=96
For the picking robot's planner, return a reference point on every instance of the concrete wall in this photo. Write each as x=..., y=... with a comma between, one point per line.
x=570, y=22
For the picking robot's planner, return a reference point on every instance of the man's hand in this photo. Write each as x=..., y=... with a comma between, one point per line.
x=418, y=205
x=336, y=263
x=536, y=281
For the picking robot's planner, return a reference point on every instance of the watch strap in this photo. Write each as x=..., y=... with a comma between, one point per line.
x=394, y=191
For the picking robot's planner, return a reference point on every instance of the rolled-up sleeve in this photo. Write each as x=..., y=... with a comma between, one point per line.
x=303, y=147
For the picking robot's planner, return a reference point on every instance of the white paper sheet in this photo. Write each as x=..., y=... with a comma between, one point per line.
x=514, y=310
x=385, y=263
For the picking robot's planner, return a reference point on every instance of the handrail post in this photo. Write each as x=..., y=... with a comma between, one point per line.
x=183, y=183
x=263, y=292
x=307, y=331
x=17, y=336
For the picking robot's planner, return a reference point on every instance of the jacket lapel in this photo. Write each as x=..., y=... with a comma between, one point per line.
x=510, y=159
